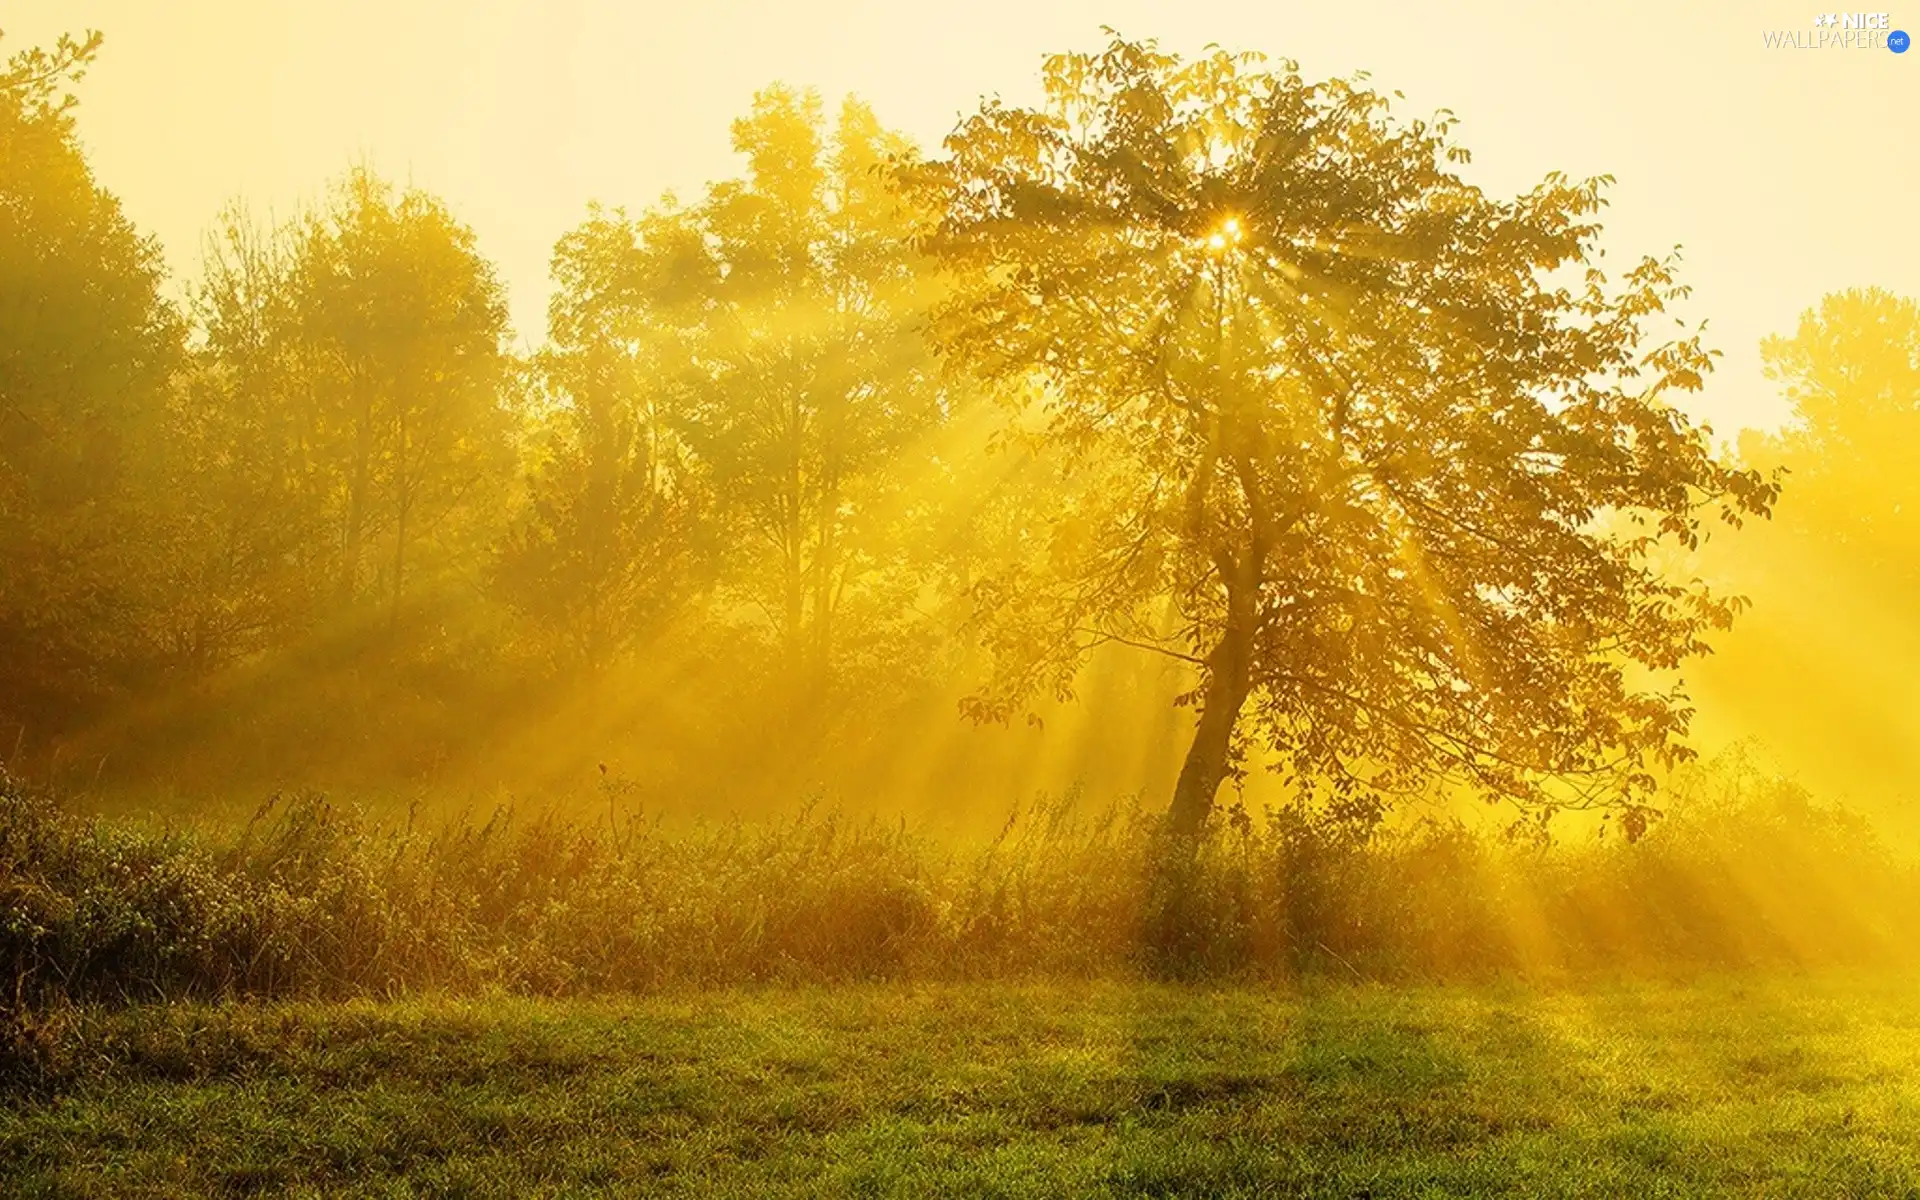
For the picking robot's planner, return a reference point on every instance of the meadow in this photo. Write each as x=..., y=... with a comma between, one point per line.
x=1723, y=1085
x=329, y=1002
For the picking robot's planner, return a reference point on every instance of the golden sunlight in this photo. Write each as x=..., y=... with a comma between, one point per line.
x=1064, y=600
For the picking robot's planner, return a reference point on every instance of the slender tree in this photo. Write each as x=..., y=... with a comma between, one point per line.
x=810, y=375
x=400, y=329
x=238, y=510
x=614, y=538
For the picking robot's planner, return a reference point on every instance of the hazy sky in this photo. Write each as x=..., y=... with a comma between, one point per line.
x=1784, y=174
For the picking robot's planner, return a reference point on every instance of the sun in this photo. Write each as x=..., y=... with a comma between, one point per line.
x=1227, y=234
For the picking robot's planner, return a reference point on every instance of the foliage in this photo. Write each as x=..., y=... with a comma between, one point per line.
x=807, y=381
x=87, y=347
x=1828, y=668
x=617, y=534
x=401, y=327
x=1350, y=441
x=1386, y=470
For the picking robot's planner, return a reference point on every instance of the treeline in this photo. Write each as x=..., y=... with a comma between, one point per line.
x=325, y=506
x=1331, y=446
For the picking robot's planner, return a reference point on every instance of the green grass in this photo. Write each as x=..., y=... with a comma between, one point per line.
x=1783, y=1086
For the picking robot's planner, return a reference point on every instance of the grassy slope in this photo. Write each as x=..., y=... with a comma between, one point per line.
x=1782, y=1087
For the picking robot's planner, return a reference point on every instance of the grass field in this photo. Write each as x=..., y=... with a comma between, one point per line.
x=1743, y=1086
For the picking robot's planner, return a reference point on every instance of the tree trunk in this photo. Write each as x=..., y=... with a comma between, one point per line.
x=357, y=500
x=1206, y=762
x=820, y=666
x=399, y=569
x=795, y=632
x=356, y=522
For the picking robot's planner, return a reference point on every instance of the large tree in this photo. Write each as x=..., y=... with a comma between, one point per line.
x=1387, y=460
x=87, y=345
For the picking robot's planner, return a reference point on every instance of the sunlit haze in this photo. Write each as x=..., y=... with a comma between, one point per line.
x=1783, y=174
x=1028, y=598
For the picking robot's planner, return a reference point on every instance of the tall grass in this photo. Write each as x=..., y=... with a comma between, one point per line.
x=310, y=899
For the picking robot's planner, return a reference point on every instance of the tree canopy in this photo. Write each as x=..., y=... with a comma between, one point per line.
x=1827, y=669
x=88, y=345
x=1852, y=374
x=1386, y=459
